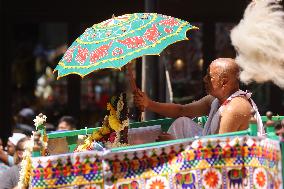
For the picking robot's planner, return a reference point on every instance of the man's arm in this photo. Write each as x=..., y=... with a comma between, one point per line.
x=194, y=109
x=235, y=116
x=4, y=157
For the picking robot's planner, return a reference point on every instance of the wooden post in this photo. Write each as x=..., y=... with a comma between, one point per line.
x=74, y=81
x=131, y=77
x=151, y=70
x=133, y=87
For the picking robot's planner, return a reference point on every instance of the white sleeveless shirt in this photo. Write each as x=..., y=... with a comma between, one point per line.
x=212, y=124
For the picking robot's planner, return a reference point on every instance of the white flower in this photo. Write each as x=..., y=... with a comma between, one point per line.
x=39, y=120
x=125, y=123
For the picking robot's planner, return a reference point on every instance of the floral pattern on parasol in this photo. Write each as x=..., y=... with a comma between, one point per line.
x=115, y=42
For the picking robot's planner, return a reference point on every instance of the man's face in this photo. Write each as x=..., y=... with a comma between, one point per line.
x=1, y=145
x=63, y=126
x=11, y=148
x=212, y=80
x=20, y=150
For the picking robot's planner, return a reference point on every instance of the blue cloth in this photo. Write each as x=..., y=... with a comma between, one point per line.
x=11, y=161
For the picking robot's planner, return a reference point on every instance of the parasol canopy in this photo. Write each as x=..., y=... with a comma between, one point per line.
x=115, y=42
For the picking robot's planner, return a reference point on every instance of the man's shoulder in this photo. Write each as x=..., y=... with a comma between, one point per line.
x=235, y=115
x=239, y=105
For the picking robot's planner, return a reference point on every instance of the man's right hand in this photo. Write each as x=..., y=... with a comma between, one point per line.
x=165, y=137
x=141, y=100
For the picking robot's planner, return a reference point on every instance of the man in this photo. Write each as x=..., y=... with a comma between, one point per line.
x=228, y=108
x=66, y=123
x=8, y=158
x=10, y=178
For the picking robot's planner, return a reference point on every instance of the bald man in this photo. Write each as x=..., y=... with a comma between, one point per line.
x=228, y=108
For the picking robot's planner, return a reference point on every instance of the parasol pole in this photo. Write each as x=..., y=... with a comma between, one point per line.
x=133, y=87
x=131, y=78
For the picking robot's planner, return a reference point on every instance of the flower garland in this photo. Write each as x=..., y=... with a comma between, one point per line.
x=113, y=119
x=26, y=164
x=119, y=106
x=113, y=125
x=30, y=146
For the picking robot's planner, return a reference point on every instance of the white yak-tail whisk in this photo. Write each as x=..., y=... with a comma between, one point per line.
x=259, y=42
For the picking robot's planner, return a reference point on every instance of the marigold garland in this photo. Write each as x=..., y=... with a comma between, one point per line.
x=26, y=164
x=116, y=121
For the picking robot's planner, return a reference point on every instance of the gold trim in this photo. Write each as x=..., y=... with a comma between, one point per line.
x=130, y=53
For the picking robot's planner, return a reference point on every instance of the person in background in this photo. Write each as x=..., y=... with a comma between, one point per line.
x=7, y=157
x=279, y=127
x=24, y=122
x=49, y=127
x=10, y=178
x=3, y=166
x=269, y=121
x=66, y=123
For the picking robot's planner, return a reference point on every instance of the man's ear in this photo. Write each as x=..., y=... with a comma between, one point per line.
x=20, y=154
x=225, y=80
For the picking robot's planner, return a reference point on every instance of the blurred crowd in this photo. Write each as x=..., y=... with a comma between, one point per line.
x=11, y=154
x=278, y=124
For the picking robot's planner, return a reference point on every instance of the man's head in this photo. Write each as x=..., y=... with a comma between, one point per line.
x=66, y=123
x=20, y=148
x=222, y=78
x=269, y=115
x=13, y=141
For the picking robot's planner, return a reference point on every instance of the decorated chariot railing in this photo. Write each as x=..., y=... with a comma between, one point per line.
x=233, y=160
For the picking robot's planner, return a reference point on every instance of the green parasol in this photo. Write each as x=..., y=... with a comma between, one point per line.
x=116, y=41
